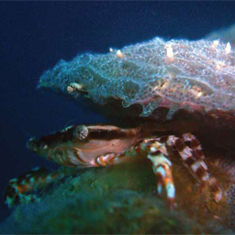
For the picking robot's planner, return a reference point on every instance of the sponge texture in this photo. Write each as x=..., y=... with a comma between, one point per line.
x=194, y=75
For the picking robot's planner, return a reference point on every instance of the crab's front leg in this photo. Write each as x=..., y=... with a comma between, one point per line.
x=156, y=150
x=162, y=169
x=153, y=150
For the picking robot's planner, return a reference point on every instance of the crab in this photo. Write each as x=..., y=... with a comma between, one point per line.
x=105, y=145
x=170, y=89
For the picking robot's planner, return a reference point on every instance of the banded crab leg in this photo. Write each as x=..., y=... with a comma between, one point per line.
x=156, y=150
x=162, y=169
x=192, y=157
x=17, y=188
x=156, y=153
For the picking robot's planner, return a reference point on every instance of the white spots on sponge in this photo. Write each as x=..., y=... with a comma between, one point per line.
x=119, y=54
x=215, y=43
x=169, y=52
x=220, y=65
x=196, y=91
x=228, y=48
x=74, y=87
x=199, y=94
x=70, y=89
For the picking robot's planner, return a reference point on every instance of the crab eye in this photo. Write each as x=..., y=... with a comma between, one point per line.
x=81, y=132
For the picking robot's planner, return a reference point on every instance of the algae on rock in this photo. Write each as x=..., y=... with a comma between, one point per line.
x=116, y=200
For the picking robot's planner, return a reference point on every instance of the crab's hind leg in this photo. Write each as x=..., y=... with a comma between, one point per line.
x=19, y=189
x=192, y=157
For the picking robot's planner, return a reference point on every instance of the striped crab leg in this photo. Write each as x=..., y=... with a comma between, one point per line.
x=19, y=189
x=192, y=157
x=157, y=153
x=156, y=150
x=162, y=169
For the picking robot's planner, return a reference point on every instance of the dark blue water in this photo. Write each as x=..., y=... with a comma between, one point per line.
x=35, y=35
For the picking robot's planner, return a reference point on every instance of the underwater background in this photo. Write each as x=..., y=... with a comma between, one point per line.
x=34, y=36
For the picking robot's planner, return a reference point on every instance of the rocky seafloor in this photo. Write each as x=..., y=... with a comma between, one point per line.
x=115, y=200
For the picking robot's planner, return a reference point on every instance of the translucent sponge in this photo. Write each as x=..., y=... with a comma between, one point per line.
x=195, y=75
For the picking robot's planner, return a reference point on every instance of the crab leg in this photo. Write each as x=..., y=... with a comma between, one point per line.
x=193, y=159
x=156, y=153
x=17, y=189
x=162, y=169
